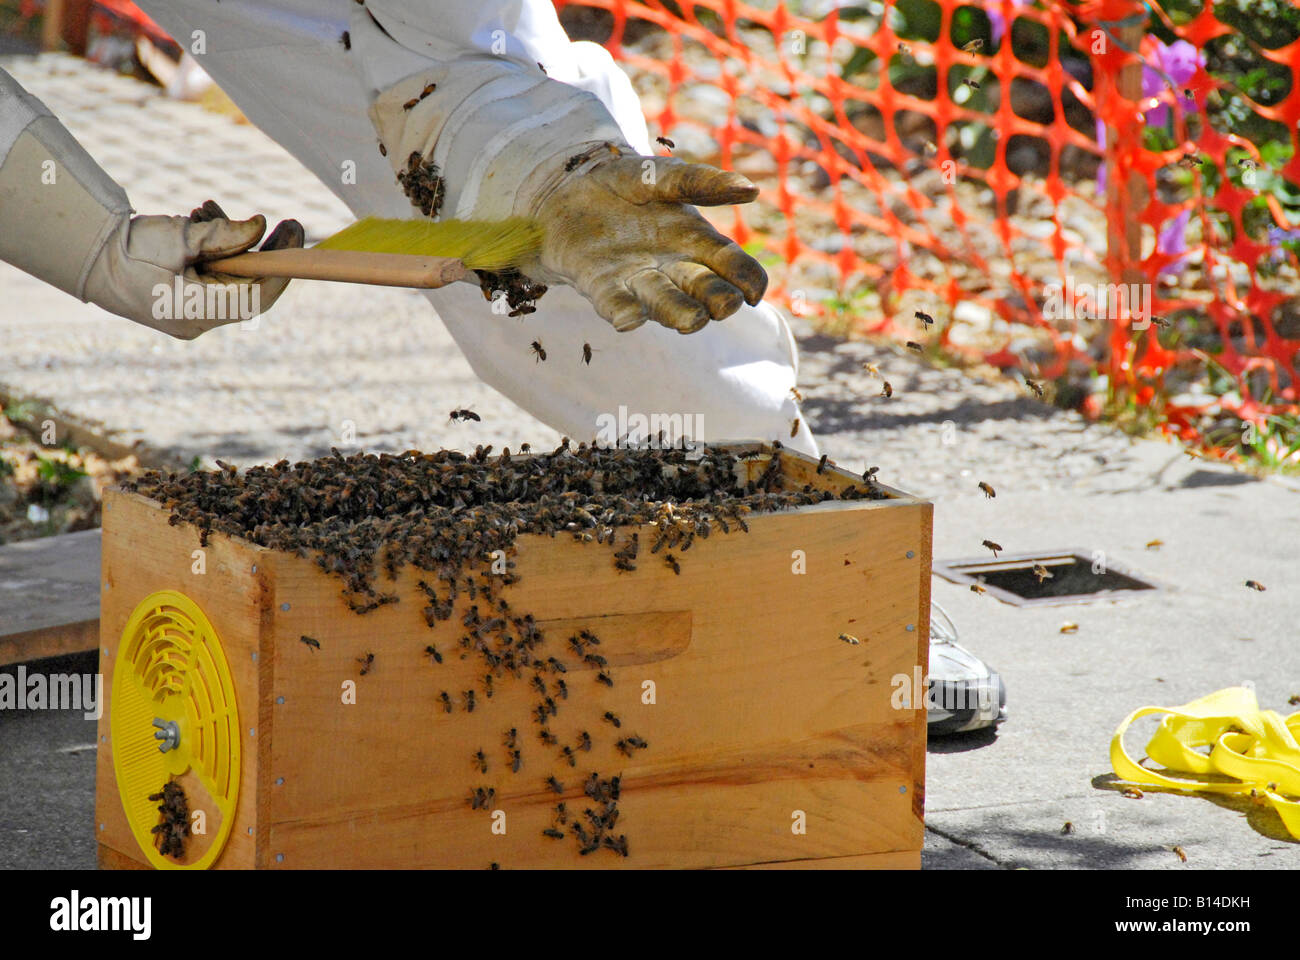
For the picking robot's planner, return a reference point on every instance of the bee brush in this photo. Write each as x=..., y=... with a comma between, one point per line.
x=397, y=253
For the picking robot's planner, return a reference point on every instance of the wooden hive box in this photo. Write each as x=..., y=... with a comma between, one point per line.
x=760, y=711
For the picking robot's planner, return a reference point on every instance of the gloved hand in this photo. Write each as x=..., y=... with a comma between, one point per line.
x=624, y=234
x=502, y=141
x=145, y=255
x=65, y=220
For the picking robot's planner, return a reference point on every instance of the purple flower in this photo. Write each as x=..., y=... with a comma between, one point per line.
x=1180, y=60
x=1173, y=239
x=997, y=22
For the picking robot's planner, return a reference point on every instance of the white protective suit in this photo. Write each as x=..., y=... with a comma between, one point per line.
x=284, y=63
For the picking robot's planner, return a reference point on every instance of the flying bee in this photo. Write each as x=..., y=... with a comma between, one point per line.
x=850, y=639
x=887, y=390
x=1293, y=700
x=913, y=345
x=311, y=642
x=931, y=148
x=464, y=415
x=612, y=718
x=1189, y=161
x=871, y=369
x=794, y=392
x=1042, y=573
x=480, y=761
x=671, y=561
x=1067, y=827
x=555, y=784
x=1256, y=585
x=1132, y=793
x=1163, y=322
x=989, y=492
x=586, y=354
x=995, y=547
x=973, y=46
x=1249, y=163
x=976, y=588
x=1069, y=628
x=346, y=40
x=925, y=318
x=432, y=651
x=1036, y=387
x=666, y=142
x=794, y=427
x=366, y=662
x=1155, y=544
x=538, y=351
x=904, y=51
x=971, y=83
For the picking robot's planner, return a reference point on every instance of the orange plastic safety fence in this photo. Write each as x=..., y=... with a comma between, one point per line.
x=891, y=153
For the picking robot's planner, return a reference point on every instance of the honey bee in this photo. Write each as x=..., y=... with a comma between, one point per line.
x=480, y=761
x=605, y=678
x=1180, y=853
x=1162, y=322
x=930, y=148
x=1042, y=573
x=383, y=150
x=428, y=89
x=1293, y=700
x=555, y=784
x=584, y=741
x=446, y=701
x=538, y=351
x=562, y=689
x=548, y=739
x=1256, y=585
x=346, y=40
x=821, y=464
x=366, y=662
x=552, y=833
x=612, y=718
x=516, y=761
x=905, y=52
x=666, y=142
x=1189, y=161
x=869, y=475
x=1069, y=628
x=989, y=492
x=469, y=700
x=794, y=392
x=586, y=354
x=410, y=103
x=432, y=651
x=311, y=642
x=1132, y=793
x=995, y=547
x=1067, y=827
x=1155, y=544
x=850, y=639
x=925, y=318
x=1249, y=163
x=976, y=588
x=871, y=369
x=794, y=427
x=570, y=756
x=973, y=46
x=913, y=345
x=464, y=415
x=1036, y=387
x=887, y=390
x=672, y=562
x=971, y=83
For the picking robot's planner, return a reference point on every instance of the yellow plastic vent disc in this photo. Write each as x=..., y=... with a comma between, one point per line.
x=170, y=668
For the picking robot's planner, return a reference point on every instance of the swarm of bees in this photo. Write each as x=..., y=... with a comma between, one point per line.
x=520, y=292
x=453, y=515
x=175, y=808
x=422, y=184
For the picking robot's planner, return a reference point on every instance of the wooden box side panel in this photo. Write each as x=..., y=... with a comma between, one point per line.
x=143, y=554
x=760, y=710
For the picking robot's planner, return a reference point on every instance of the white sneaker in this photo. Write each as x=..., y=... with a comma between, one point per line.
x=964, y=693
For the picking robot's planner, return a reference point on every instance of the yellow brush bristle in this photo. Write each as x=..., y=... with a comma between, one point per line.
x=480, y=245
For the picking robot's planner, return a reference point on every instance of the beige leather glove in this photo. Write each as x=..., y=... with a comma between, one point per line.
x=498, y=140
x=64, y=220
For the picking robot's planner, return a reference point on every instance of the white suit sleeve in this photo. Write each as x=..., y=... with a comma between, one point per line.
x=491, y=94
x=58, y=208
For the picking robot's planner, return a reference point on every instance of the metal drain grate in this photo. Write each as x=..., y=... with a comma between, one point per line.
x=1012, y=579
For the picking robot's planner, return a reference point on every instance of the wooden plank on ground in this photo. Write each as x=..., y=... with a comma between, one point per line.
x=49, y=597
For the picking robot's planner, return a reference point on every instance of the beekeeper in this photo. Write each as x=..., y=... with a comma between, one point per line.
x=495, y=94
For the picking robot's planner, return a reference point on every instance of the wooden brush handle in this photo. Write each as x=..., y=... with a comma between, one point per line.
x=348, y=266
